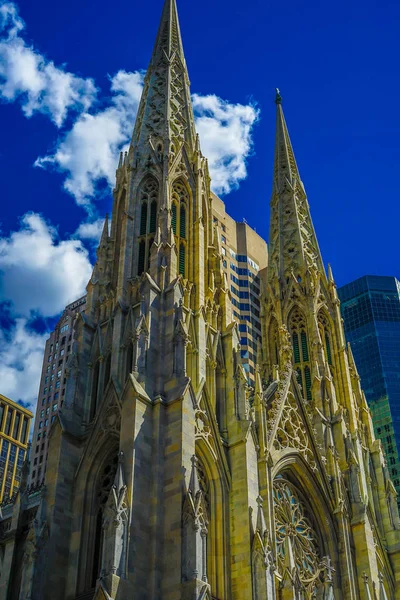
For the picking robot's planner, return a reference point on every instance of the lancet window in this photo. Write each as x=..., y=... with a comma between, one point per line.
x=148, y=197
x=301, y=354
x=326, y=337
x=179, y=212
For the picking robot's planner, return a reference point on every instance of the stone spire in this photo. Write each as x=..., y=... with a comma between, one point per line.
x=293, y=243
x=165, y=115
x=104, y=235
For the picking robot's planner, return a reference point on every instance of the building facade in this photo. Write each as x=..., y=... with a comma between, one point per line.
x=245, y=254
x=168, y=476
x=52, y=387
x=371, y=311
x=15, y=422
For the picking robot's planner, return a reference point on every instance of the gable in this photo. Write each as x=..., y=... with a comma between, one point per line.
x=290, y=429
x=106, y=425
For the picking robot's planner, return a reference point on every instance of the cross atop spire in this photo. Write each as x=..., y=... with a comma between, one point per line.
x=293, y=244
x=285, y=162
x=165, y=112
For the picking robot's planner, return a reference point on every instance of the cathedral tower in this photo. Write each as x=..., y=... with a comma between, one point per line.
x=137, y=461
x=168, y=476
x=314, y=404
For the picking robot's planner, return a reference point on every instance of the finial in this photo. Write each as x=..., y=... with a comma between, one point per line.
x=278, y=97
x=330, y=274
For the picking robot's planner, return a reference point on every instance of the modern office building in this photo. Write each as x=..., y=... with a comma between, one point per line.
x=371, y=311
x=15, y=421
x=245, y=253
x=52, y=387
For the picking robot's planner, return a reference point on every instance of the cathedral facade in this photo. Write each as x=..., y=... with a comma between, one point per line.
x=168, y=476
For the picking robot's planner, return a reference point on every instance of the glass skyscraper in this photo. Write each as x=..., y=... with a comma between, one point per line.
x=371, y=311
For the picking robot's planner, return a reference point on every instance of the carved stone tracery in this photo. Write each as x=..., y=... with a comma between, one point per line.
x=292, y=432
x=297, y=545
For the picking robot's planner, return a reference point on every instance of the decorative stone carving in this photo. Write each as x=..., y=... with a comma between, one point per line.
x=181, y=340
x=202, y=426
x=297, y=545
x=285, y=346
x=111, y=418
x=195, y=525
x=263, y=563
x=292, y=433
x=115, y=526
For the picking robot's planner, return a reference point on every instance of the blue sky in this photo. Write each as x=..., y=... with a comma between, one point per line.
x=70, y=80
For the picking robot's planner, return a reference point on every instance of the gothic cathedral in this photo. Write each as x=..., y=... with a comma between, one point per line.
x=169, y=477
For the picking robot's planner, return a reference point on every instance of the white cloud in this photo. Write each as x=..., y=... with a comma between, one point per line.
x=225, y=132
x=10, y=20
x=39, y=85
x=21, y=358
x=90, y=230
x=88, y=154
x=38, y=272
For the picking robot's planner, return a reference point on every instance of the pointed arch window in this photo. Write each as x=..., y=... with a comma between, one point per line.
x=142, y=255
x=179, y=212
x=182, y=227
x=153, y=217
x=182, y=259
x=148, y=196
x=299, y=545
x=174, y=217
x=301, y=355
x=143, y=219
x=151, y=241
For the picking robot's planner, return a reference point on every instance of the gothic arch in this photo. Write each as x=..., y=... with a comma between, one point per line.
x=147, y=213
x=217, y=497
x=297, y=325
x=306, y=507
x=180, y=218
x=91, y=493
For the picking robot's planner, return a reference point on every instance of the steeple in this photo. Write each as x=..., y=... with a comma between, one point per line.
x=293, y=243
x=165, y=115
x=169, y=34
x=104, y=234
